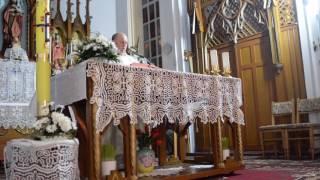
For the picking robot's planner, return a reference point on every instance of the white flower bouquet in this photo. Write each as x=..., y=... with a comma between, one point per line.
x=97, y=46
x=53, y=123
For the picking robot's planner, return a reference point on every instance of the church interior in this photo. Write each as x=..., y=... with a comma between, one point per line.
x=150, y=89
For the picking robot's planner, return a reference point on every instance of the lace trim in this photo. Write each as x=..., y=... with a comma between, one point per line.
x=28, y=159
x=16, y=91
x=152, y=94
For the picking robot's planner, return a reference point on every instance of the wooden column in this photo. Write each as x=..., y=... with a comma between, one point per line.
x=129, y=147
x=163, y=146
x=182, y=141
x=238, y=149
x=217, y=145
x=94, y=137
x=124, y=127
x=133, y=158
x=96, y=146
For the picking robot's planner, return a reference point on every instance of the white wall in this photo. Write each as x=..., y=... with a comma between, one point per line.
x=309, y=28
x=104, y=17
x=175, y=34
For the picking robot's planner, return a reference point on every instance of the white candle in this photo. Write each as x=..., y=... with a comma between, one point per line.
x=225, y=60
x=71, y=49
x=206, y=59
x=50, y=49
x=48, y=6
x=214, y=58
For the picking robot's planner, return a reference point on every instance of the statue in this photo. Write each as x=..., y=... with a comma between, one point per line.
x=12, y=24
x=58, y=53
x=16, y=52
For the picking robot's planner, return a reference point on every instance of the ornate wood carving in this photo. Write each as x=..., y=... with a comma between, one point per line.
x=230, y=20
x=68, y=27
x=287, y=12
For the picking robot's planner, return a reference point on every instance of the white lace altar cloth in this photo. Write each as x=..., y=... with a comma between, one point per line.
x=53, y=159
x=153, y=94
x=17, y=79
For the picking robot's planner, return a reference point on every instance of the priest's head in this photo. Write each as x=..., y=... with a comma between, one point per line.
x=121, y=41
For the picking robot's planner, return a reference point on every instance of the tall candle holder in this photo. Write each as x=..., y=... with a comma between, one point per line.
x=215, y=70
x=207, y=71
x=226, y=72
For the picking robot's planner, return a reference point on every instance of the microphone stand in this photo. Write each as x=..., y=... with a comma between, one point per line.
x=142, y=59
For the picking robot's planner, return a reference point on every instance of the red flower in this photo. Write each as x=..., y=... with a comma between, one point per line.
x=155, y=133
x=158, y=142
x=145, y=139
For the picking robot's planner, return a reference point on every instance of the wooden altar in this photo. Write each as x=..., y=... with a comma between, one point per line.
x=93, y=114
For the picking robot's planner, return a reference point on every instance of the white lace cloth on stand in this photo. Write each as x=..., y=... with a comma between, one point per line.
x=52, y=159
x=153, y=94
x=17, y=79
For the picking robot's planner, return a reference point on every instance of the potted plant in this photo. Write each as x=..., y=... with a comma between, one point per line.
x=145, y=155
x=109, y=162
x=225, y=148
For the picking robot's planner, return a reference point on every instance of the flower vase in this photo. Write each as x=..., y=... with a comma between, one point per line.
x=146, y=159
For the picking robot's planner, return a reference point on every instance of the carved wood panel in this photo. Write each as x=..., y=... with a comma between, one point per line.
x=290, y=82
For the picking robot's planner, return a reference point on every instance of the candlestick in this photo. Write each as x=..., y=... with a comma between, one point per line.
x=226, y=64
x=206, y=59
x=225, y=60
x=214, y=62
x=214, y=57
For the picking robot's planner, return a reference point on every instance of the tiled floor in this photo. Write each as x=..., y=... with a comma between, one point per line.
x=299, y=169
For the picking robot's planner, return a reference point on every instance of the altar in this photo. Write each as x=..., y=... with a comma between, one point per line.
x=122, y=94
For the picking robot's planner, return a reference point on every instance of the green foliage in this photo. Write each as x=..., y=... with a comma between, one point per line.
x=108, y=152
x=225, y=143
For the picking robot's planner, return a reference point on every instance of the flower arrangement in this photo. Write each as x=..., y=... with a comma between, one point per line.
x=148, y=138
x=53, y=123
x=97, y=46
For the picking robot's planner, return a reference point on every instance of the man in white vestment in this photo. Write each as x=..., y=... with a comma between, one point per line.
x=121, y=42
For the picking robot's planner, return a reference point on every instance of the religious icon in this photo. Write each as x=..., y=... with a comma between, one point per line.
x=59, y=62
x=12, y=24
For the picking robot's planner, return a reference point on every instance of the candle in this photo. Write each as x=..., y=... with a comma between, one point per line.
x=214, y=58
x=50, y=50
x=71, y=48
x=206, y=60
x=225, y=60
x=48, y=6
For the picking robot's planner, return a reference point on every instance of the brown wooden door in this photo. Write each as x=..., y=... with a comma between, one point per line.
x=253, y=60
